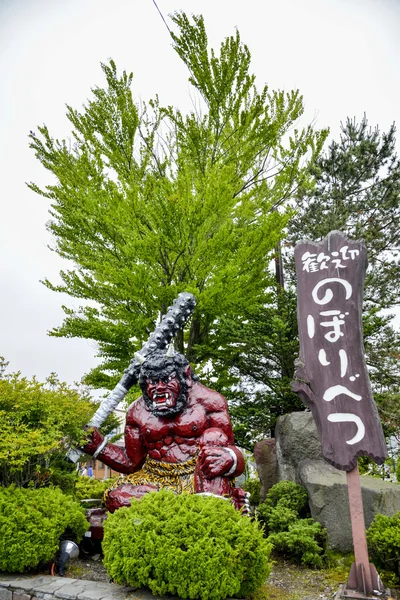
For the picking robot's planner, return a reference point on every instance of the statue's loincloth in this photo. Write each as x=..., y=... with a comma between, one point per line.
x=177, y=477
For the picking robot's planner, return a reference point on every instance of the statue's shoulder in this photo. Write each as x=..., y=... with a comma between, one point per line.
x=212, y=400
x=136, y=411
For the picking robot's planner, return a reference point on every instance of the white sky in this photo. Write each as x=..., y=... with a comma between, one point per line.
x=343, y=55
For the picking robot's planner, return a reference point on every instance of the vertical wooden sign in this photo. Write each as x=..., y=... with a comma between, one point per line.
x=331, y=375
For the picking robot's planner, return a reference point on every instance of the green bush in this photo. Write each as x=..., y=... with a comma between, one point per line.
x=281, y=517
x=303, y=542
x=289, y=494
x=283, y=495
x=87, y=488
x=189, y=545
x=383, y=537
x=253, y=486
x=62, y=474
x=31, y=523
x=301, y=539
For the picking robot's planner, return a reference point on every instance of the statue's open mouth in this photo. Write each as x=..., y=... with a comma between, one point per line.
x=162, y=400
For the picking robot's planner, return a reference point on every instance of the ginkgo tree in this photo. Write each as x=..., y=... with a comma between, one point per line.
x=148, y=201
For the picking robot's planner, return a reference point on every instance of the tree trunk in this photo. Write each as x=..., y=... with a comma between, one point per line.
x=194, y=338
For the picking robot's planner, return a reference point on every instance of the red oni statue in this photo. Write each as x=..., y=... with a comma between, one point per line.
x=178, y=436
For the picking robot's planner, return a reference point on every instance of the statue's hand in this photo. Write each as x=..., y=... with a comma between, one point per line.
x=94, y=440
x=214, y=461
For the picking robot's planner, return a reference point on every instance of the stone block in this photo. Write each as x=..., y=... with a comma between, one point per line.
x=267, y=466
x=71, y=590
x=5, y=594
x=19, y=594
x=297, y=439
x=51, y=585
x=329, y=502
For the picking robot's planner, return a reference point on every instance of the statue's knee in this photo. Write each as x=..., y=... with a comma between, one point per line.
x=123, y=494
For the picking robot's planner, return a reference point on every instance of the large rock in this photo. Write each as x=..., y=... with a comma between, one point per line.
x=329, y=502
x=297, y=439
x=267, y=466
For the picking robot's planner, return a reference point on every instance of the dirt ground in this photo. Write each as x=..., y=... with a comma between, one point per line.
x=287, y=581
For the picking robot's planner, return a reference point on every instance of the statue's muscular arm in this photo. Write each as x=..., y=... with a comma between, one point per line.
x=215, y=459
x=128, y=459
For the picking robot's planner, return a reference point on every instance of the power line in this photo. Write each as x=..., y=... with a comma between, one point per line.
x=161, y=15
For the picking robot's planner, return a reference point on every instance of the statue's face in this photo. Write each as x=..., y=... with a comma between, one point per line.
x=163, y=391
x=164, y=384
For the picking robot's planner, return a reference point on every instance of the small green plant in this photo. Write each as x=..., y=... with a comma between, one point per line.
x=31, y=523
x=337, y=566
x=301, y=539
x=189, y=545
x=383, y=537
x=87, y=488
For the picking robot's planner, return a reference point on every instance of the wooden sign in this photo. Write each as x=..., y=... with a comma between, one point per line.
x=331, y=376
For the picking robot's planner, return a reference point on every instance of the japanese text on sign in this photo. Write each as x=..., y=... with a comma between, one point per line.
x=331, y=375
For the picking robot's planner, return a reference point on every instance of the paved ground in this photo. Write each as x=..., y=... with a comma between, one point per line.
x=45, y=587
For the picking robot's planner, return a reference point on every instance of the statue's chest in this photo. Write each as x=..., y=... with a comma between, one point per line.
x=187, y=425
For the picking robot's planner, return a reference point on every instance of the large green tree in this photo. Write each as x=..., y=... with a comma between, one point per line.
x=256, y=369
x=357, y=191
x=150, y=202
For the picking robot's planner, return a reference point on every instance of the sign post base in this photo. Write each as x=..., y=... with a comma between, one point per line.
x=356, y=581
x=344, y=593
x=363, y=577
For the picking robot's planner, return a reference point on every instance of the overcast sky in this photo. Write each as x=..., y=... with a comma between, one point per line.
x=343, y=55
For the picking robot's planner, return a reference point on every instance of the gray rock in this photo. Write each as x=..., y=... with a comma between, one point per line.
x=329, y=502
x=5, y=594
x=51, y=584
x=71, y=589
x=267, y=465
x=297, y=439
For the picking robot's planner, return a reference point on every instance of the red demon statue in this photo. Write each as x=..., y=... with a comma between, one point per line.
x=178, y=436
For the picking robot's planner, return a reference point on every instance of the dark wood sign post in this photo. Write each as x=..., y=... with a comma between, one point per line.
x=331, y=376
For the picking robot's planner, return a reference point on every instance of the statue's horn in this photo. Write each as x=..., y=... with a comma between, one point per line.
x=171, y=351
x=139, y=357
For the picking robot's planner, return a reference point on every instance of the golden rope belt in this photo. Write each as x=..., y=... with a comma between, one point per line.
x=177, y=477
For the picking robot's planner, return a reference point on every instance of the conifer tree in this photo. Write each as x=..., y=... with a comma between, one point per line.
x=150, y=202
x=357, y=191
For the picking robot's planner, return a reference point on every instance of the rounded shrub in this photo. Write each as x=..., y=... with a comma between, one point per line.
x=300, y=539
x=286, y=501
x=303, y=542
x=383, y=537
x=288, y=494
x=31, y=523
x=189, y=545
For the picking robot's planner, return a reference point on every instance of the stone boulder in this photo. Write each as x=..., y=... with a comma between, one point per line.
x=329, y=501
x=297, y=439
x=267, y=466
